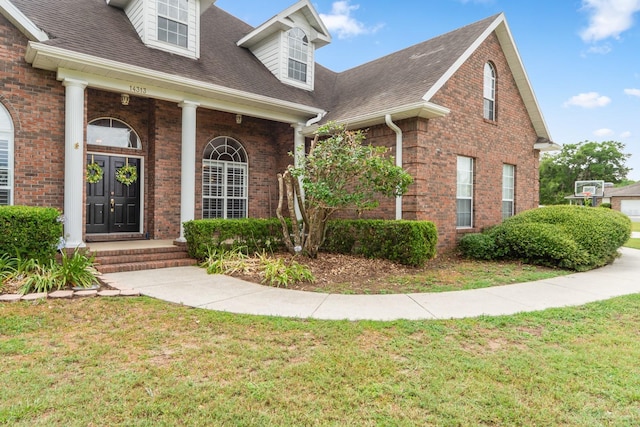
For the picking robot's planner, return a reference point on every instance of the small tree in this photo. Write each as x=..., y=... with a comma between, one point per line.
x=338, y=173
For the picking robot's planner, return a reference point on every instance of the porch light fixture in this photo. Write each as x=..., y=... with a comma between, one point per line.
x=238, y=118
x=124, y=98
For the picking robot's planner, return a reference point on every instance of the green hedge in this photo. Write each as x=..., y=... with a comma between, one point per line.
x=248, y=234
x=405, y=242
x=572, y=237
x=30, y=232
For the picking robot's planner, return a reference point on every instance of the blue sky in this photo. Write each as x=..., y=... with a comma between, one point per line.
x=582, y=56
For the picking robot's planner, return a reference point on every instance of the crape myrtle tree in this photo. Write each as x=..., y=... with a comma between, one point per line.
x=583, y=161
x=338, y=173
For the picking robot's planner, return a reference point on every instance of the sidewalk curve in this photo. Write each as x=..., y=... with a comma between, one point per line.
x=192, y=286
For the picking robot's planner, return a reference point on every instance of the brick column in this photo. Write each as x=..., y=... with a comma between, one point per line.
x=74, y=162
x=188, y=174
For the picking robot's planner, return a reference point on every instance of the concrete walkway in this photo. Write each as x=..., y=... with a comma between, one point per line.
x=192, y=286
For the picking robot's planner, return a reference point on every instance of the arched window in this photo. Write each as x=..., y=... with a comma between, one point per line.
x=489, y=91
x=6, y=157
x=111, y=132
x=298, y=55
x=224, y=179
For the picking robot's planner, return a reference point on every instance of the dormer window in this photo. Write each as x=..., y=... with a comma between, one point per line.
x=298, y=55
x=173, y=18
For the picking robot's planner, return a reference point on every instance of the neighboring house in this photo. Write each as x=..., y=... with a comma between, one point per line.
x=624, y=199
x=206, y=108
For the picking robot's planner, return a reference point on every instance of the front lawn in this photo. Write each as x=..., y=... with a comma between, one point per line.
x=633, y=243
x=635, y=226
x=142, y=362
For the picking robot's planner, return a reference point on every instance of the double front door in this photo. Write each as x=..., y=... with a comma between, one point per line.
x=111, y=206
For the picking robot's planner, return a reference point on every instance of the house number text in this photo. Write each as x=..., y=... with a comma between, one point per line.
x=138, y=89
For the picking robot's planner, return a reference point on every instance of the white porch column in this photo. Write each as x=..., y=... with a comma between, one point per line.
x=73, y=162
x=188, y=179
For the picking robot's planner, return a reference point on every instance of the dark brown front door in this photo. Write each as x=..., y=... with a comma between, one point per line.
x=113, y=207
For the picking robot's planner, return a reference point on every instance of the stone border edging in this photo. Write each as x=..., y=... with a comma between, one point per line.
x=64, y=294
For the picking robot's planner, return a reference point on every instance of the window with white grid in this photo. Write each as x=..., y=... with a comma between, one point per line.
x=508, y=190
x=173, y=17
x=464, y=193
x=224, y=179
x=298, y=55
x=6, y=157
x=489, y=91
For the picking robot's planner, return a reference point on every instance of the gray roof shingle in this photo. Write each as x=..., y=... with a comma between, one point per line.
x=92, y=27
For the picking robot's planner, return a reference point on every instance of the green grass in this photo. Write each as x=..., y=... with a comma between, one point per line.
x=142, y=362
x=463, y=274
x=635, y=226
x=633, y=243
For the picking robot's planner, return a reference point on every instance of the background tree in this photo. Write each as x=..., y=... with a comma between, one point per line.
x=338, y=173
x=584, y=161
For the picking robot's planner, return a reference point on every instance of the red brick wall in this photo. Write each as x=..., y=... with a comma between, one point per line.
x=431, y=148
x=266, y=144
x=35, y=101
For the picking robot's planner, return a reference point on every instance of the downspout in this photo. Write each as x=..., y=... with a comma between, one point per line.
x=299, y=151
x=398, y=131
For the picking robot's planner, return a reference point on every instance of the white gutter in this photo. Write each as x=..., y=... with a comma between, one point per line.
x=24, y=24
x=398, y=131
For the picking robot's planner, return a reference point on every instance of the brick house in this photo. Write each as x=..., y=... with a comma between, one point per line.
x=204, y=108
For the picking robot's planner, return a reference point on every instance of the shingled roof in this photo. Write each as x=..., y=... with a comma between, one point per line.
x=94, y=28
x=403, y=77
x=632, y=190
x=392, y=83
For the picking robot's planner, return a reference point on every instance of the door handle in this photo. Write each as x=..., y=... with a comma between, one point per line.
x=113, y=204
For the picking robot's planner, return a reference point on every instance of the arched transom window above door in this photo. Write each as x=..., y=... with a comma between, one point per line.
x=224, y=179
x=110, y=132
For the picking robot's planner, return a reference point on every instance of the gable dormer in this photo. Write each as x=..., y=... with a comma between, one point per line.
x=286, y=44
x=170, y=25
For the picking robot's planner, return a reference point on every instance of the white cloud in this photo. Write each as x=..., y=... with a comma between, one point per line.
x=608, y=18
x=343, y=24
x=625, y=135
x=603, y=132
x=632, y=92
x=588, y=100
x=602, y=49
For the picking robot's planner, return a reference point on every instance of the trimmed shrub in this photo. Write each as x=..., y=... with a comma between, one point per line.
x=539, y=243
x=605, y=205
x=478, y=246
x=30, y=232
x=405, y=242
x=248, y=235
x=565, y=236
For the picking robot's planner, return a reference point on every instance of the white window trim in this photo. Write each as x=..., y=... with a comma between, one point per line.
x=463, y=197
x=308, y=84
x=506, y=189
x=226, y=164
x=177, y=20
x=112, y=119
x=149, y=31
x=489, y=91
x=8, y=133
